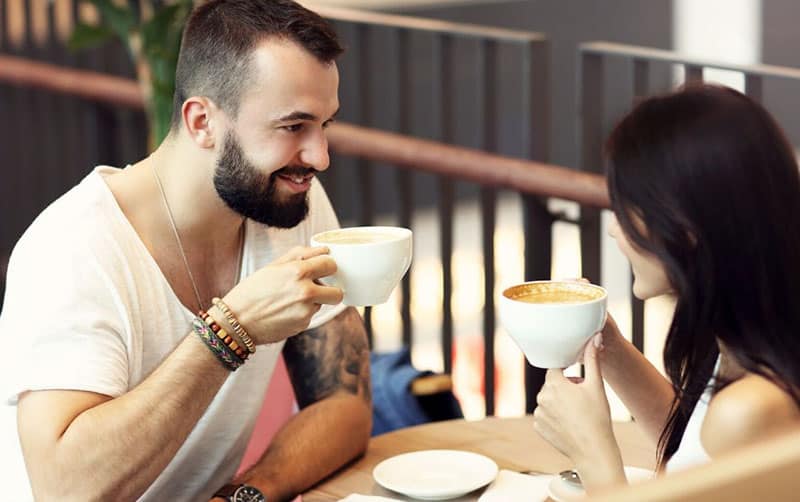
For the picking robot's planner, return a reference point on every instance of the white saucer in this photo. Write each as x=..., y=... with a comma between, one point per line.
x=561, y=491
x=435, y=474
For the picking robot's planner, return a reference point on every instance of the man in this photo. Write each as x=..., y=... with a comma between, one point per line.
x=122, y=391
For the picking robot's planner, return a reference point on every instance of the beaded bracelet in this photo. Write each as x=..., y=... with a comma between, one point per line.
x=224, y=336
x=237, y=328
x=223, y=353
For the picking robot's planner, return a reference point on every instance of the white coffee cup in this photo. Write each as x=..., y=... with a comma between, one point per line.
x=370, y=261
x=551, y=321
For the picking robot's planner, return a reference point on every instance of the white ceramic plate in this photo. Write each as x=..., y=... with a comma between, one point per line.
x=435, y=474
x=561, y=491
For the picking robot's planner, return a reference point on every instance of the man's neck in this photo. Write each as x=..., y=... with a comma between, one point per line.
x=201, y=217
x=207, y=230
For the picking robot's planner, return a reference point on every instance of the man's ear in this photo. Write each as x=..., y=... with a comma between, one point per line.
x=198, y=114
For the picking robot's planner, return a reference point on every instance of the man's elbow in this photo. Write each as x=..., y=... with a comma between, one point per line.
x=364, y=425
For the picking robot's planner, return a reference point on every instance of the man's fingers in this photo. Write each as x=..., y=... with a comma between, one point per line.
x=318, y=266
x=301, y=253
x=327, y=295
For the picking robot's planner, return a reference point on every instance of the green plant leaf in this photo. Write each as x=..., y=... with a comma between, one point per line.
x=160, y=30
x=121, y=20
x=85, y=36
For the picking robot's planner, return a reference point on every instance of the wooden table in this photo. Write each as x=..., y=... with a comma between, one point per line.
x=511, y=442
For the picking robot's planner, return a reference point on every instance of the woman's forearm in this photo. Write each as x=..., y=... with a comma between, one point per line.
x=645, y=392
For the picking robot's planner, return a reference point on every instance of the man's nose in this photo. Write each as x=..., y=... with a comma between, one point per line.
x=314, y=152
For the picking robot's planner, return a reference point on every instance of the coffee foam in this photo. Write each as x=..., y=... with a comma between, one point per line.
x=356, y=236
x=554, y=292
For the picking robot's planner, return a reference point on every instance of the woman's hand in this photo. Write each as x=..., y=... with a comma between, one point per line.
x=575, y=418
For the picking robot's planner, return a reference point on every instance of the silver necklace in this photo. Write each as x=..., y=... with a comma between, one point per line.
x=237, y=271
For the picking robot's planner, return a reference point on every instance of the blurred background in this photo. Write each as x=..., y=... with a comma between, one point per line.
x=539, y=89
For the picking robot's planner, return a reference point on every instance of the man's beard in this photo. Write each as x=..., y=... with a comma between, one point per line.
x=252, y=194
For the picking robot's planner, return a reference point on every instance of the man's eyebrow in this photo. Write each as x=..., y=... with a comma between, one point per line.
x=298, y=115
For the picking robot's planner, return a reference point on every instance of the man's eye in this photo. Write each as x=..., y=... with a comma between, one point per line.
x=293, y=128
x=327, y=123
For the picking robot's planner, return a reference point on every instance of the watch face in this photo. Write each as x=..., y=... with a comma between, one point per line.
x=248, y=494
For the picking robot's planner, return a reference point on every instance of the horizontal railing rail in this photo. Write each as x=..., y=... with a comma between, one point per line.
x=528, y=176
x=665, y=56
x=423, y=24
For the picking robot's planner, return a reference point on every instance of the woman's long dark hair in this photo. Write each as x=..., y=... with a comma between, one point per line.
x=716, y=184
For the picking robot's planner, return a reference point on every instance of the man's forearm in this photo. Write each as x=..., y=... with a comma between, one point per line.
x=313, y=444
x=329, y=369
x=116, y=449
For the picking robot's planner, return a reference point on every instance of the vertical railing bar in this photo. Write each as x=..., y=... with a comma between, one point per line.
x=29, y=157
x=363, y=166
x=404, y=176
x=641, y=89
x=4, y=42
x=641, y=79
x=537, y=221
x=754, y=86
x=488, y=95
x=76, y=137
x=694, y=73
x=51, y=139
x=6, y=132
x=591, y=110
x=446, y=195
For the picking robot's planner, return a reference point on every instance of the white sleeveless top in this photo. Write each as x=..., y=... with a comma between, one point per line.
x=691, y=452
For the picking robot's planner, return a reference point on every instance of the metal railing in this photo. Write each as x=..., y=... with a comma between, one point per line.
x=594, y=58
x=54, y=137
x=409, y=154
x=484, y=44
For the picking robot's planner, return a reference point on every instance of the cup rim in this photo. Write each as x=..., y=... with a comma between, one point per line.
x=402, y=233
x=601, y=298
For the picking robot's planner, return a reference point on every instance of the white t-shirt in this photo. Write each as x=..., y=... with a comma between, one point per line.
x=87, y=308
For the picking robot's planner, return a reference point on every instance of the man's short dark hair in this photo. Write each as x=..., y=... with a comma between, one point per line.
x=218, y=42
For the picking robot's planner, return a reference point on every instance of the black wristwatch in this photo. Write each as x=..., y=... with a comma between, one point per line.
x=241, y=493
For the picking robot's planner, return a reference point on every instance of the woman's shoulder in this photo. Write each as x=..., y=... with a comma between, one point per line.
x=748, y=410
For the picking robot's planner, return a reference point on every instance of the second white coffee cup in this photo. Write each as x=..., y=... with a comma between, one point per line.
x=370, y=261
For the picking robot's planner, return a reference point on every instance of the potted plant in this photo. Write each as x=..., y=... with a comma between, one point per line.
x=151, y=33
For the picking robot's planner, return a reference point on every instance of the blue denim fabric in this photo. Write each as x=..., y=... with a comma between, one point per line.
x=394, y=406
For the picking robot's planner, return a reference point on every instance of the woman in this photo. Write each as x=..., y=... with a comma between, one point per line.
x=706, y=196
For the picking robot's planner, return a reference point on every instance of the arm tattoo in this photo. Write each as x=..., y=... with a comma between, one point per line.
x=331, y=358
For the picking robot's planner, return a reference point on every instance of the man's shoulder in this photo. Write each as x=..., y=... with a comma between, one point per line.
x=72, y=223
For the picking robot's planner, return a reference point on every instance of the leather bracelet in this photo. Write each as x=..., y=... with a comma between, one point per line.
x=234, y=322
x=220, y=350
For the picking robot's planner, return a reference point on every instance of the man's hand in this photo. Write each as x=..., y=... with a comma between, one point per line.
x=279, y=300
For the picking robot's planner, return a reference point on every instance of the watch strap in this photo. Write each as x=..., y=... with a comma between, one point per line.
x=227, y=491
